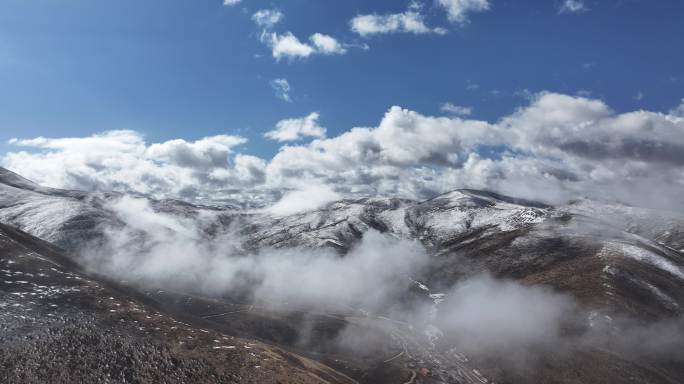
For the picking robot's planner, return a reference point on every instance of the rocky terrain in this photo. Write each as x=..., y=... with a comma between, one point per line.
x=60, y=325
x=622, y=266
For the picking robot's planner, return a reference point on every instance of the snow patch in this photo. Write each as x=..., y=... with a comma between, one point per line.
x=646, y=256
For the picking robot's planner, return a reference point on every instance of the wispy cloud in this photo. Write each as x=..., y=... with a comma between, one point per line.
x=572, y=6
x=282, y=89
x=267, y=18
x=410, y=21
x=457, y=110
x=458, y=11
x=230, y=3
x=470, y=86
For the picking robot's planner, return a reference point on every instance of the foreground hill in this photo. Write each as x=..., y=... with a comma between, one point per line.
x=59, y=325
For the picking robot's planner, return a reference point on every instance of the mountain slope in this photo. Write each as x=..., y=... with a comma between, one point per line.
x=61, y=326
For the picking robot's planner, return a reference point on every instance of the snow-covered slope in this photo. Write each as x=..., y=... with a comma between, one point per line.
x=71, y=219
x=447, y=216
x=62, y=217
x=663, y=226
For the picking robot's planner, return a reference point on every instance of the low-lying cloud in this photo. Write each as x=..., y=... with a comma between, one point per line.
x=481, y=316
x=176, y=252
x=307, y=198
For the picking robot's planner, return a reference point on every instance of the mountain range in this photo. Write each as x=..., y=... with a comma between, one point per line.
x=467, y=287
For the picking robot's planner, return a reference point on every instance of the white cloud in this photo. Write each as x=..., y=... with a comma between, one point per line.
x=457, y=110
x=411, y=21
x=205, y=153
x=327, y=45
x=297, y=129
x=305, y=199
x=288, y=46
x=459, y=10
x=679, y=110
x=556, y=147
x=177, y=255
x=404, y=138
x=282, y=89
x=572, y=6
x=123, y=161
x=230, y=3
x=393, y=158
x=494, y=315
x=267, y=18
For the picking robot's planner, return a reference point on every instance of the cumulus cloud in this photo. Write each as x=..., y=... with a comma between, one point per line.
x=459, y=10
x=206, y=153
x=584, y=129
x=267, y=18
x=555, y=148
x=457, y=110
x=282, y=89
x=230, y=3
x=297, y=129
x=410, y=21
x=558, y=147
x=404, y=138
x=572, y=6
x=123, y=161
x=288, y=46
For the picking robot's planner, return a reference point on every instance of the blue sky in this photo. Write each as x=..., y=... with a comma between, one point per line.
x=244, y=102
x=178, y=68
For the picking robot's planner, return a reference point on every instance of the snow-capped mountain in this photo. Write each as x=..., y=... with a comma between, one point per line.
x=615, y=261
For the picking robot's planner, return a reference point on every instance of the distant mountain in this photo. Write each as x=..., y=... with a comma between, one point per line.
x=615, y=260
